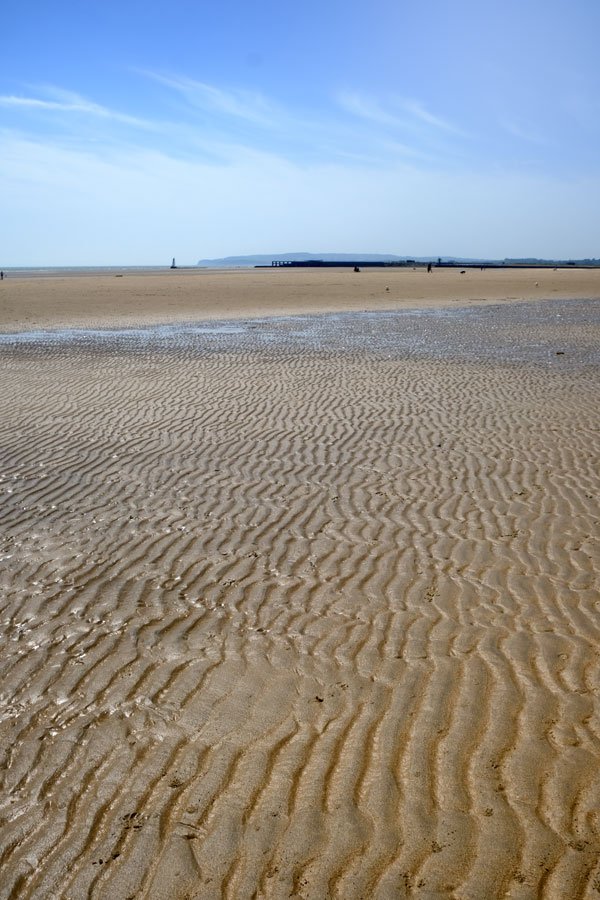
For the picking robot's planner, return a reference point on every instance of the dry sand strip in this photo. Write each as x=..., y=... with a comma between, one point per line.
x=303, y=608
x=184, y=295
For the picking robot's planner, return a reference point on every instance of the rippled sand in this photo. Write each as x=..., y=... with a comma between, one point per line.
x=303, y=607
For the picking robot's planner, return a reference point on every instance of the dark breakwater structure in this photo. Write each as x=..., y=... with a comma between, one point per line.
x=440, y=264
x=335, y=263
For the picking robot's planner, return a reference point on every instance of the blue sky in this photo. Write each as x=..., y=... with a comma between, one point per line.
x=131, y=132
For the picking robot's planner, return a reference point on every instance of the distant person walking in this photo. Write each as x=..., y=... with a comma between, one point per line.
x=1, y=276
x=429, y=267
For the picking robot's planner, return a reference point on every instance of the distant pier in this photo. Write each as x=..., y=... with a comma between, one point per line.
x=412, y=263
x=335, y=263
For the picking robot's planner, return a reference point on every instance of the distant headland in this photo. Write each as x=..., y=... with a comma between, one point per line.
x=308, y=260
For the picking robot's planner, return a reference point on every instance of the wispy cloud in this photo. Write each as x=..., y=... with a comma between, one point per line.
x=241, y=104
x=367, y=108
x=222, y=125
x=416, y=109
x=523, y=133
x=398, y=113
x=70, y=102
x=291, y=133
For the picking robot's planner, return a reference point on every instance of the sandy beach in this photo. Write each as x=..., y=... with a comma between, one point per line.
x=300, y=605
x=184, y=295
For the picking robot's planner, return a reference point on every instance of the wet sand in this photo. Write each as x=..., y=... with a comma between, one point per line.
x=303, y=606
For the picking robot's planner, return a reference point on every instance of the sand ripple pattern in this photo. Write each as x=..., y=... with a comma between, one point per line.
x=303, y=608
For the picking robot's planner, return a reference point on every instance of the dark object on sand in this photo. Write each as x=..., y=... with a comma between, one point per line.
x=356, y=269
